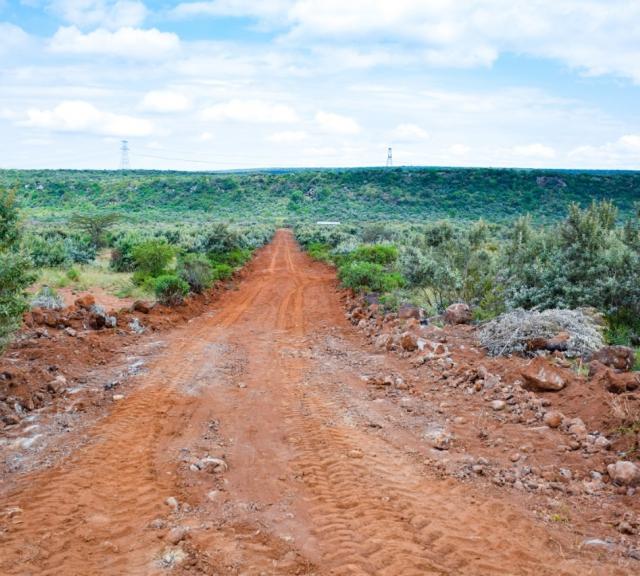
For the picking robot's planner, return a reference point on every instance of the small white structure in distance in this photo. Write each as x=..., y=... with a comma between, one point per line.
x=328, y=223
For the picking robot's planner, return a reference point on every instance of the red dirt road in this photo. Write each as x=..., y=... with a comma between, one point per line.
x=320, y=479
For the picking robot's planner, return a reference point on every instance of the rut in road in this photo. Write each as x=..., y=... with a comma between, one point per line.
x=309, y=490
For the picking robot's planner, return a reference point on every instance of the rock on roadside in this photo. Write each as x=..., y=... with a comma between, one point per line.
x=458, y=314
x=540, y=376
x=553, y=419
x=618, y=357
x=624, y=473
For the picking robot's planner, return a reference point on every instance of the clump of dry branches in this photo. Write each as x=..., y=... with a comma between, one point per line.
x=511, y=332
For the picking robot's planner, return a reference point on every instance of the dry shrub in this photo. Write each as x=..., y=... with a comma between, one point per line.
x=625, y=409
x=509, y=333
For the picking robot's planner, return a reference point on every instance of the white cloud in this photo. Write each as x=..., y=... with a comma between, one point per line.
x=288, y=137
x=12, y=38
x=598, y=36
x=630, y=142
x=357, y=57
x=264, y=9
x=322, y=152
x=622, y=153
x=8, y=114
x=165, y=101
x=336, y=123
x=409, y=133
x=205, y=137
x=100, y=13
x=534, y=151
x=83, y=117
x=131, y=43
x=258, y=111
x=459, y=149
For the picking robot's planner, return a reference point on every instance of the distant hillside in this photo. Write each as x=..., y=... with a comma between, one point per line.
x=371, y=193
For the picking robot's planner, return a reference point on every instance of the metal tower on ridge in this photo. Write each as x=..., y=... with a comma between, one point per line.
x=124, y=157
x=389, y=156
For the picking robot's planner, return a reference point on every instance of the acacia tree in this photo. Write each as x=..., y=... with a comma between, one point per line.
x=14, y=269
x=95, y=225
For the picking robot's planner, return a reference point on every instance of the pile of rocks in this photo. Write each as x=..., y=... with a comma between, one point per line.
x=84, y=314
x=407, y=332
x=613, y=375
x=13, y=407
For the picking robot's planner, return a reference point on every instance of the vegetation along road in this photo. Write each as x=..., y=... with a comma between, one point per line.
x=251, y=446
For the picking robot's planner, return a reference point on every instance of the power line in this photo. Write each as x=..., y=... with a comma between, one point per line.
x=206, y=162
x=250, y=160
x=178, y=153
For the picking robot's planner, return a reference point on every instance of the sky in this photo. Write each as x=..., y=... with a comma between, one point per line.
x=229, y=84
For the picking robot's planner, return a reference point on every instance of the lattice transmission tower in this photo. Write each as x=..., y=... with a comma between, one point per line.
x=124, y=155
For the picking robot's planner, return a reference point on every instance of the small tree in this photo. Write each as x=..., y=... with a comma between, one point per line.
x=95, y=225
x=152, y=257
x=14, y=269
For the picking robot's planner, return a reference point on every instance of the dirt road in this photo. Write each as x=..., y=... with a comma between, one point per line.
x=321, y=479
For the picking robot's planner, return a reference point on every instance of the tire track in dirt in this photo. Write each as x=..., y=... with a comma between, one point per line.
x=375, y=515
x=113, y=483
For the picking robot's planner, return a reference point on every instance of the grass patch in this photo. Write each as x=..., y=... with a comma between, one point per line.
x=86, y=277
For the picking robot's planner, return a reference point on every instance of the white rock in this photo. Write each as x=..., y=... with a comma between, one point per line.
x=498, y=405
x=439, y=438
x=212, y=465
x=598, y=544
x=624, y=473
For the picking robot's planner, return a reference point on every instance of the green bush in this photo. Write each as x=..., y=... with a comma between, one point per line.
x=55, y=248
x=73, y=274
x=140, y=278
x=170, y=290
x=47, y=252
x=195, y=270
x=319, y=251
x=235, y=257
x=122, y=252
x=384, y=254
x=623, y=328
x=222, y=272
x=391, y=301
x=218, y=239
x=152, y=257
x=375, y=232
x=15, y=274
x=586, y=260
x=369, y=277
x=79, y=249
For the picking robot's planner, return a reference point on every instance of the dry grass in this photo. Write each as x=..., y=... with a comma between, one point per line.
x=625, y=410
x=88, y=276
